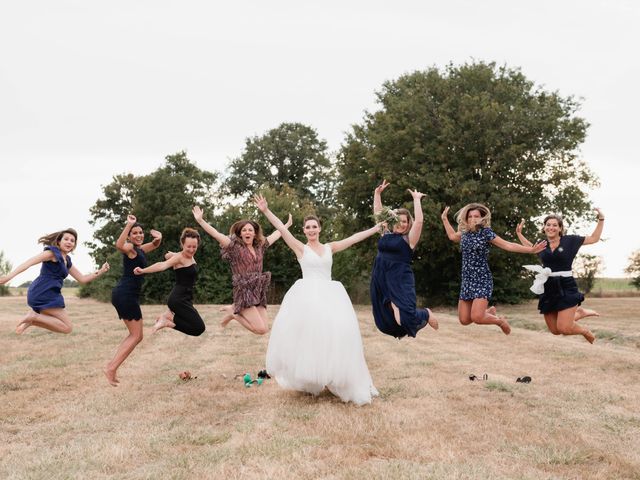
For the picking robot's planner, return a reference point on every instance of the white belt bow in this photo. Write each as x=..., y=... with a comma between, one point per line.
x=543, y=274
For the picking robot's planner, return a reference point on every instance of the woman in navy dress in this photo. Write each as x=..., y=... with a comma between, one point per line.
x=181, y=315
x=560, y=299
x=475, y=237
x=44, y=295
x=244, y=249
x=125, y=297
x=392, y=288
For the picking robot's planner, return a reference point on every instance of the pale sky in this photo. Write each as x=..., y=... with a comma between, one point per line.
x=89, y=90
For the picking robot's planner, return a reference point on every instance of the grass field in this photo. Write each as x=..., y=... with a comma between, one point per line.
x=578, y=418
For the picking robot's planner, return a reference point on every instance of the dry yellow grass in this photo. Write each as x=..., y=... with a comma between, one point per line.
x=579, y=418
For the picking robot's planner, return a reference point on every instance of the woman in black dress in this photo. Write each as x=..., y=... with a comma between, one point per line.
x=125, y=297
x=559, y=298
x=181, y=315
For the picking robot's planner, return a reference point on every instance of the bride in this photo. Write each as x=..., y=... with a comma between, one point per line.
x=315, y=339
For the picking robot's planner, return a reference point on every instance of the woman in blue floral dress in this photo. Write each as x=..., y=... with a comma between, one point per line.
x=475, y=236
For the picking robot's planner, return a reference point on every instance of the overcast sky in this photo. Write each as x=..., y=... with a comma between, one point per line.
x=89, y=90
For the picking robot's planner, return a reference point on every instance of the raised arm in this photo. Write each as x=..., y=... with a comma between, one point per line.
x=516, y=247
x=521, y=237
x=221, y=238
x=453, y=235
x=377, y=196
x=41, y=257
x=595, y=236
x=418, y=218
x=294, y=244
x=121, y=242
x=153, y=244
x=159, y=266
x=353, y=239
x=89, y=277
x=275, y=236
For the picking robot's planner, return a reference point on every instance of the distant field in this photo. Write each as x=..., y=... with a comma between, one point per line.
x=614, y=287
x=22, y=291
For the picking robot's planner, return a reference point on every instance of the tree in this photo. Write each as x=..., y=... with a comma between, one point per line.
x=161, y=200
x=475, y=132
x=288, y=155
x=5, y=268
x=634, y=268
x=586, y=267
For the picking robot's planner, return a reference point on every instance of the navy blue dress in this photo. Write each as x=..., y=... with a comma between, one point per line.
x=560, y=293
x=125, y=296
x=44, y=291
x=392, y=281
x=180, y=302
x=477, y=281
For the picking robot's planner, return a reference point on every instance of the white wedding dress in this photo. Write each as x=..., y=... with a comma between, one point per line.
x=315, y=340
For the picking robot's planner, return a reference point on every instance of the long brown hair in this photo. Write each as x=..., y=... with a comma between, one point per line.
x=53, y=239
x=236, y=229
x=558, y=218
x=462, y=216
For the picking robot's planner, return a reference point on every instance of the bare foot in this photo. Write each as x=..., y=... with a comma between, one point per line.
x=491, y=310
x=111, y=377
x=433, y=321
x=589, y=337
x=228, y=317
x=585, y=312
x=504, y=325
x=26, y=322
x=165, y=320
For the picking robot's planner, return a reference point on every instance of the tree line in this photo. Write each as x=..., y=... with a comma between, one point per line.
x=473, y=132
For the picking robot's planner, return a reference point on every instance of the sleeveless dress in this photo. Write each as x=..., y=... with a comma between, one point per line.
x=392, y=281
x=250, y=283
x=560, y=293
x=315, y=339
x=125, y=296
x=477, y=280
x=44, y=291
x=180, y=302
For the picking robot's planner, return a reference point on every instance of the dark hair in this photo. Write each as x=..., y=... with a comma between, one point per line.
x=236, y=229
x=53, y=239
x=558, y=218
x=311, y=217
x=189, y=233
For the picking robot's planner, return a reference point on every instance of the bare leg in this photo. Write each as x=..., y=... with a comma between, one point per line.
x=124, y=349
x=464, y=312
x=165, y=320
x=491, y=310
x=568, y=326
x=481, y=316
x=551, y=319
x=396, y=312
x=229, y=315
x=433, y=321
x=584, y=313
x=53, y=319
x=251, y=319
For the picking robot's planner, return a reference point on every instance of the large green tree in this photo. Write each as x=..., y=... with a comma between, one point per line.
x=470, y=133
x=290, y=155
x=633, y=268
x=5, y=267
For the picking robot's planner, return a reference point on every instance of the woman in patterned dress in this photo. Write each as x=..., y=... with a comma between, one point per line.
x=44, y=295
x=474, y=235
x=244, y=249
x=560, y=299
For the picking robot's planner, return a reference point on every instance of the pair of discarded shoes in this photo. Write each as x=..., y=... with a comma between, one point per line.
x=473, y=377
x=525, y=379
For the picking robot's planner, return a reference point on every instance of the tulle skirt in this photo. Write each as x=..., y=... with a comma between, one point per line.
x=315, y=343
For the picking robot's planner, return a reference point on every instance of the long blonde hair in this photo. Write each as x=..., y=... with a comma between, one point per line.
x=462, y=216
x=53, y=239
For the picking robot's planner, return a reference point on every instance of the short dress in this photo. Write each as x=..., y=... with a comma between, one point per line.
x=560, y=293
x=44, y=291
x=125, y=296
x=250, y=283
x=180, y=302
x=477, y=280
x=392, y=281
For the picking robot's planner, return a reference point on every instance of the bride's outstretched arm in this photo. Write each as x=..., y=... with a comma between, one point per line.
x=294, y=244
x=353, y=239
